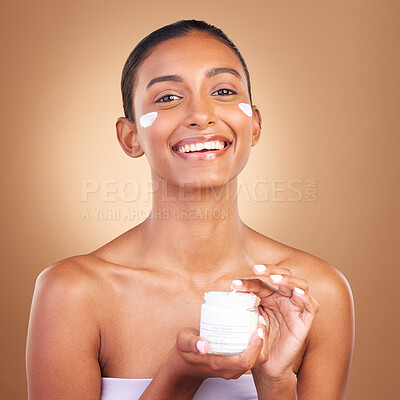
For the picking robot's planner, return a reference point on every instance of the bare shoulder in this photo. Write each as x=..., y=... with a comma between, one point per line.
x=64, y=331
x=73, y=276
x=327, y=284
x=71, y=288
x=325, y=364
x=88, y=284
x=333, y=328
x=331, y=290
x=78, y=287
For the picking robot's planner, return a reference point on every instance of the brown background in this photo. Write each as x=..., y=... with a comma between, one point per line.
x=325, y=75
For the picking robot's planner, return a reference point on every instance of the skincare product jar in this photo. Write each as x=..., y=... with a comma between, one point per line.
x=228, y=319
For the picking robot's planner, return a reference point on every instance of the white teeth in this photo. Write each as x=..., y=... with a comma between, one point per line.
x=199, y=146
x=212, y=145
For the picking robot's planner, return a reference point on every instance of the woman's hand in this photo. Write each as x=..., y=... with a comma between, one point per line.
x=187, y=365
x=288, y=313
x=192, y=353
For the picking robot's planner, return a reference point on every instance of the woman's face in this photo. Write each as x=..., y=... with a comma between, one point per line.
x=191, y=93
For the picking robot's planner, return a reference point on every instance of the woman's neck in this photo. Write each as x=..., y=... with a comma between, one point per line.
x=197, y=231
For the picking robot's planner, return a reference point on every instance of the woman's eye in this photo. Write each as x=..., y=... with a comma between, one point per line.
x=225, y=92
x=167, y=98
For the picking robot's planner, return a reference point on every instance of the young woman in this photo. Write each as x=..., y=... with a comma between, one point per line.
x=123, y=321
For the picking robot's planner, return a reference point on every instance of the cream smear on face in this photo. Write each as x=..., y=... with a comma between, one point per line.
x=147, y=120
x=246, y=108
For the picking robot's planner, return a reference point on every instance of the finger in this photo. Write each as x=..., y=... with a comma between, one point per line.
x=265, y=316
x=261, y=287
x=310, y=305
x=255, y=345
x=241, y=362
x=306, y=304
x=287, y=283
x=281, y=276
x=264, y=353
x=262, y=321
x=189, y=342
x=266, y=270
x=284, y=283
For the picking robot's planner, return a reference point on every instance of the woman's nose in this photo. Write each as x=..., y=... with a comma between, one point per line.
x=200, y=113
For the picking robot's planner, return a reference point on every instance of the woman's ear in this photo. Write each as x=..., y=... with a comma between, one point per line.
x=128, y=137
x=257, y=125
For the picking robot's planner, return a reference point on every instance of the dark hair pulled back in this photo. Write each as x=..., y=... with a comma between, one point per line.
x=146, y=45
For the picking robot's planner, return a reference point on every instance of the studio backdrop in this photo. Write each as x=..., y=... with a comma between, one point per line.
x=323, y=177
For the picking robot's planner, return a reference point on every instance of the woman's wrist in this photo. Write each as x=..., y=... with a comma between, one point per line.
x=279, y=387
x=172, y=380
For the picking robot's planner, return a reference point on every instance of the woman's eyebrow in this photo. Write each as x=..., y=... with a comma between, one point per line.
x=173, y=78
x=210, y=73
x=215, y=71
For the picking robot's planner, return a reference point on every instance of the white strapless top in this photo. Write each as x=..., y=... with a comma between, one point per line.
x=211, y=389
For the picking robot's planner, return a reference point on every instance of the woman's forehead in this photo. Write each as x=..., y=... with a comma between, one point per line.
x=187, y=54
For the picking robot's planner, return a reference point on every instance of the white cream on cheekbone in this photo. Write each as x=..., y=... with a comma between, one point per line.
x=246, y=108
x=147, y=120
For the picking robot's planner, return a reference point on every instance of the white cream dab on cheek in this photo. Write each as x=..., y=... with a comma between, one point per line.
x=147, y=120
x=246, y=108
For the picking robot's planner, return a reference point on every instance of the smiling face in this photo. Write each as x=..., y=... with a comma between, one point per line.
x=192, y=112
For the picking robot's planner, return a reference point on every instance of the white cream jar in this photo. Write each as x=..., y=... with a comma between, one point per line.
x=228, y=319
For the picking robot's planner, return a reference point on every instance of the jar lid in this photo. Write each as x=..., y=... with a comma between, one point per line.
x=230, y=299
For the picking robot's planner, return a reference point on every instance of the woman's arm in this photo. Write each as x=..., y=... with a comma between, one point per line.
x=172, y=380
x=64, y=342
x=63, y=336
x=288, y=315
x=328, y=342
x=185, y=367
x=324, y=371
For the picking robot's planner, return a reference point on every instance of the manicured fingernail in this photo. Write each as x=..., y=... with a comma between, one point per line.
x=299, y=291
x=200, y=346
x=259, y=268
x=276, y=278
x=262, y=319
x=237, y=282
x=260, y=333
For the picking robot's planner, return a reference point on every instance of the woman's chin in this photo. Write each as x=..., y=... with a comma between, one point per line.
x=213, y=184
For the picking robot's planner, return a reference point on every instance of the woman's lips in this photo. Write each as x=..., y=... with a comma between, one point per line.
x=203, y=156
x=201, y=139
x=201, y=148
